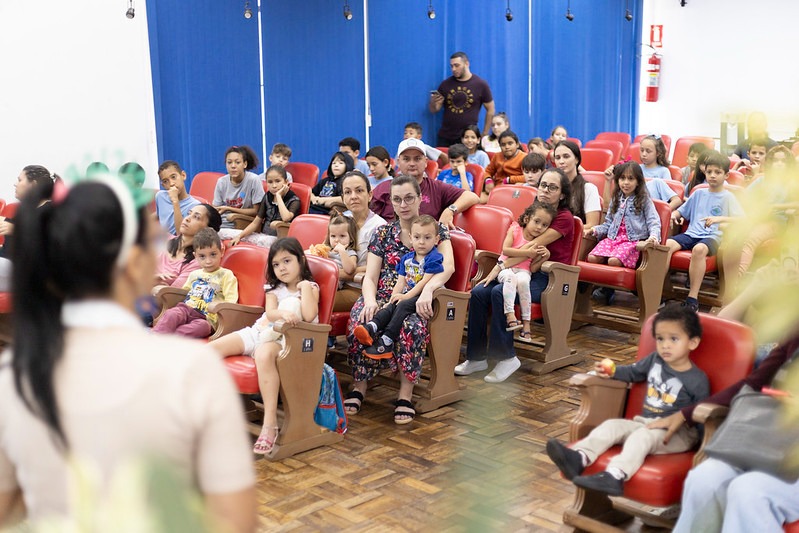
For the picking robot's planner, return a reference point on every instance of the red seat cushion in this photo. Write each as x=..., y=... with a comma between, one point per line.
x=607, y=275
x=338, y=321
x=681, y=261
x=5, y=302
x=667, y=472
x=793, y=527
x=245, y=376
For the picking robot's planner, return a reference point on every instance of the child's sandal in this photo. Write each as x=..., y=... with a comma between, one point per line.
x=514, y=325
x=264, y=444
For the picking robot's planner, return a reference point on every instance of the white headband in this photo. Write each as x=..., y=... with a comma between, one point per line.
x=130, y=225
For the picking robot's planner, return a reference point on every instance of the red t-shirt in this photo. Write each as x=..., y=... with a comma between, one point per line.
x=561, y=249
x=436, y=196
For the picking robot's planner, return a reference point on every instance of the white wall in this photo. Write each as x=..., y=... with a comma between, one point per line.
x=722, y=56
x=76, y=87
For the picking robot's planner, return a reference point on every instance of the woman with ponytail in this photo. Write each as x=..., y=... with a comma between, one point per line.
x=87, y=389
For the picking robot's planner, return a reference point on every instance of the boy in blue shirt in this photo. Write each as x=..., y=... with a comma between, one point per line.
x=415, y=269
x=456, y=175
x=173, y=203
x=705, y=210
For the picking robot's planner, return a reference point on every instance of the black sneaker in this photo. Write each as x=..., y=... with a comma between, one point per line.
x=602, y=482
x=365, y=333
x=380, y=350
x=569, y=461
x=604, y=294
x=692, y=304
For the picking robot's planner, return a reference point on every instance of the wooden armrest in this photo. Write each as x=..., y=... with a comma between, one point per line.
x=486, y=260
x=281, y=327
x=239, y=220
x=167, y=297
x=588, y=380
x=601, y=399
x=555, y=267
x=712, y=416
x=358, y=277
x=282, y=229
x=233, y=317
x=708, y=411
x=642, y=246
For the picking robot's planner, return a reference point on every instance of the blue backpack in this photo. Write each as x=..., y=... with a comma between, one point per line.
x=330, y=412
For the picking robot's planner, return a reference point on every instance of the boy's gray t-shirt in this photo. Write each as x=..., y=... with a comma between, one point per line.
x=668, y=390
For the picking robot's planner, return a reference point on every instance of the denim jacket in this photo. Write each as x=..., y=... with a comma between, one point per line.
x=639, y=226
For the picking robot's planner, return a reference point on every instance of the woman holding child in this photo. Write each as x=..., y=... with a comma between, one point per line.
x=554, y=190
x=356, y=191
x=388, y=245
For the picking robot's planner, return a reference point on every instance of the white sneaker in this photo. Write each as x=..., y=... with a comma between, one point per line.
x=503, y=370
x=470, y=367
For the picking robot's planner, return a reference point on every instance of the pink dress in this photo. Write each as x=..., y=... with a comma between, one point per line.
x=622, y=248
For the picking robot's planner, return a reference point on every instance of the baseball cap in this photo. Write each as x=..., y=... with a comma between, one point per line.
x=414, y=144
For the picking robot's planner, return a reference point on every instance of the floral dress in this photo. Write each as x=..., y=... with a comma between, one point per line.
x=414, y=335
x=622, y=248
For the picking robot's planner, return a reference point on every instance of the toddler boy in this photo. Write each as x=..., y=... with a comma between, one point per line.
x=673, y=383
x=415, y=270
x=211, y=283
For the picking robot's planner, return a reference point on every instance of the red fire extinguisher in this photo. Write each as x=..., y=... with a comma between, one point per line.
x=653, y=87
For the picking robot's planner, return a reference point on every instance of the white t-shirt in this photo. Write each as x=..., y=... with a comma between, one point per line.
x=591, y=202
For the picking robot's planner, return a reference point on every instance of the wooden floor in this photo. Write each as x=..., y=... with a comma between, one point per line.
x=476, y=465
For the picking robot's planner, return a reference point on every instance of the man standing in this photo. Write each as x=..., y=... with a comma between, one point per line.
x=461, y=96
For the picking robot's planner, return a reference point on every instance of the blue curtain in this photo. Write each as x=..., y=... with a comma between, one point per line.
x=205, y=71
x=204, y=57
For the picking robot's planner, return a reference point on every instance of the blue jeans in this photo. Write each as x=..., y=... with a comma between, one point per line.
x=719, y=497
x=488, y=299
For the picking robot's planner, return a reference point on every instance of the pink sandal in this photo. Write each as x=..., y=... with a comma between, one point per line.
x=264, y=444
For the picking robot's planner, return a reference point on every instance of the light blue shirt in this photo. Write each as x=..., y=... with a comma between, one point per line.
x=166, y=214
x=479, y=158
x=702, y=204
x=661, y=173
x=658, y=190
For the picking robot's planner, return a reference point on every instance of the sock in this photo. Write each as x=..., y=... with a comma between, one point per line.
x=584, y=457
x=616, y=472
x=387, y=341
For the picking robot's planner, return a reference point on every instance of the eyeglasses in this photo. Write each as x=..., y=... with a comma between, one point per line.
x=407, y=200
x=551, y=187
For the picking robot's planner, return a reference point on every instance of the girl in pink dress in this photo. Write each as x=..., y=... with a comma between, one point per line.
x=631, y=217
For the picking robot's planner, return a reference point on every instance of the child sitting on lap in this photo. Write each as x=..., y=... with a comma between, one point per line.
x=211, y=283
x=673, y=383
x=415, y=270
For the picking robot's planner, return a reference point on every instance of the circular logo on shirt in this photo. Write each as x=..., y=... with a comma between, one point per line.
x=460, y=99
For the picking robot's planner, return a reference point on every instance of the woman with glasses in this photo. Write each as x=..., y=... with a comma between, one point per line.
x=389, y=243
x=554, y=189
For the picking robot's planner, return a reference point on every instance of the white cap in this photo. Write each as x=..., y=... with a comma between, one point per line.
x=414, y=144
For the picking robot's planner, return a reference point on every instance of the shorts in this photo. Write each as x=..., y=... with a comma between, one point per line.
x=687, y=242
x=255, y=336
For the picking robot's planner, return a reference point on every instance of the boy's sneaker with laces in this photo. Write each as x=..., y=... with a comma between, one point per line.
x=602, y=482
x=365, y=333
x=380, y=350
x=569, y=461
